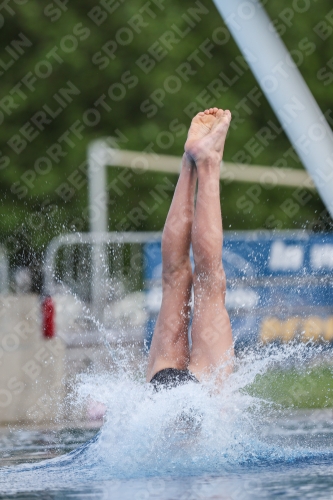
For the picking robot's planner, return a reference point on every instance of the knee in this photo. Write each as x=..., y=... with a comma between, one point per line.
x=211, y=278
x=175, y=275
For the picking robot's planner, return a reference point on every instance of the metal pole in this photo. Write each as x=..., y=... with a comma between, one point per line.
x=276, y=176
x=97, y=160
x=97, y=156
x=284, y=88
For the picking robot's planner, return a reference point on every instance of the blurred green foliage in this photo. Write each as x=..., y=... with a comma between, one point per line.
x=310, y=387
x=32, y=210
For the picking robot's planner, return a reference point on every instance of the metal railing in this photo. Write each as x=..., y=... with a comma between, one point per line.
x=94, y=265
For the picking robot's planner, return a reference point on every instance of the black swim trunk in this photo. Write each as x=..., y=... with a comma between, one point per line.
x=171, y=377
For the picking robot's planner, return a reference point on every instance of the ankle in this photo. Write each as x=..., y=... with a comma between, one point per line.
x=188, y=162
x=210, y=162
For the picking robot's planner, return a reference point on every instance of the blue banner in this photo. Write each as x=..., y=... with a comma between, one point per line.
x=279, y=286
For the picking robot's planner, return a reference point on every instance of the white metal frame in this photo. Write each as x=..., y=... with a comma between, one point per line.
x=102, y=155
x=97, y=240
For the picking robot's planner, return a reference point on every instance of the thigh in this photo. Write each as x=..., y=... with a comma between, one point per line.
x=169, y=347
x=212, y=343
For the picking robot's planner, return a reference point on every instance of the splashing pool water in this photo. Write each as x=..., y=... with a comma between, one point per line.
x=186, y=443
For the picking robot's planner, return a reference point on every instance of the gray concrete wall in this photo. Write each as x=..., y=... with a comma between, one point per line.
x=38, y=375
x=31, y=367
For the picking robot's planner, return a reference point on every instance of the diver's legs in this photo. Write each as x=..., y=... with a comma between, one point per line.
x=169, y=347
x=212, y=345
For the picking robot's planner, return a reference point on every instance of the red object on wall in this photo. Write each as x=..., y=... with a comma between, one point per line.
x=48, y=317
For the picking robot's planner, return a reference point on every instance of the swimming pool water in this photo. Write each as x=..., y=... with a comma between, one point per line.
x=305, y=477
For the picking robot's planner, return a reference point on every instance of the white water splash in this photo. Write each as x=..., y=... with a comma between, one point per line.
x=186, y=431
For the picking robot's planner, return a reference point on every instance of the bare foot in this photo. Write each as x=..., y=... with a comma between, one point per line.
x=207, y=134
